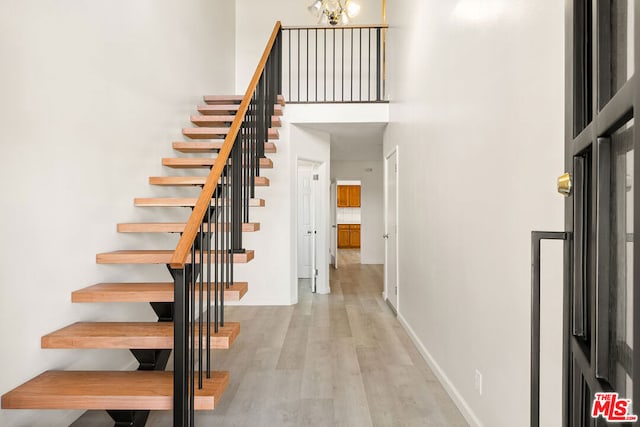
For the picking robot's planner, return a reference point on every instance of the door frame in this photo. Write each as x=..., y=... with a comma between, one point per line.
x=321, y=214
x=308, y=169
x=394, y=150
x=333, y=232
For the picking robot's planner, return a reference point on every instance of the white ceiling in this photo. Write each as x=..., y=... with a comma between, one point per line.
x=353, y=141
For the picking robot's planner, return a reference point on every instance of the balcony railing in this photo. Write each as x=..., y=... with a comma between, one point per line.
x=333, y=64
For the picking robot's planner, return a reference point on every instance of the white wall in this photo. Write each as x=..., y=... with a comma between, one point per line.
x=255, y=20
x=93, y=93
x=371, y=202
x=272, y=273
x=477, y=109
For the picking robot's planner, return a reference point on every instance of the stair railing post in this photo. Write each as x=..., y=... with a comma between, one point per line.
x=279, y=63
x=236, y=196
x=180, y=360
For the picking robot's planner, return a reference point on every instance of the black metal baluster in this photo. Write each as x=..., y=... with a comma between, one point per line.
x=342, y=64
x=307, y=65
x=351, y=59
x=200, y=304
x=324, y=74
x=298, y=64
x=209, y=290
x=290, y=77
x=369, y=65
x=245, y=170
x=378, y=66
x=192, y=323
x=262, y=135
x=360, y=65
x=279, y=63
x=223, y=254
x=334, y=65
x=216, y=249
x=316, y=68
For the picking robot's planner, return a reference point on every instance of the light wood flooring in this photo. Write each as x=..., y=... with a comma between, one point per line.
x=339, y=359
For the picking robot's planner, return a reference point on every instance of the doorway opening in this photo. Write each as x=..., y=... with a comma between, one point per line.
x=348, y=220
x=308, y=218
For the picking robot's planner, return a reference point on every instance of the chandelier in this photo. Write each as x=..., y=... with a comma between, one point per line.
x=334, y=12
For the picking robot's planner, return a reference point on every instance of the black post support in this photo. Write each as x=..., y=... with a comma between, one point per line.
x=180, y=361
x=536, y=237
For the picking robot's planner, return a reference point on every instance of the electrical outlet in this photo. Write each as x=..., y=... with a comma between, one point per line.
x=478, y=382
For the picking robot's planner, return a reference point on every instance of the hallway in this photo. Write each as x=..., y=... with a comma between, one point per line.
x=338, y=359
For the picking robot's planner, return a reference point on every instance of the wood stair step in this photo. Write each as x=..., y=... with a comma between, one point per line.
x=220, y=133
x=162, y=257
x=233, y=99
x=145, y=292
x=181, y=202
x=224, y=120
x=204, y=162
x=219, y=109
x=209, y=146
x=117, y=390
x=127, y=335
x=260, y=181
x=175, y=227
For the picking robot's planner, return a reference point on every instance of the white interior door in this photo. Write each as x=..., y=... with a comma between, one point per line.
x=306, y=227
x=391, y=229
x=333, y=247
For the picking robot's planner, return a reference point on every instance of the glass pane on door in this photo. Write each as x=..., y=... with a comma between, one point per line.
x=616, y=46
x=621, y=255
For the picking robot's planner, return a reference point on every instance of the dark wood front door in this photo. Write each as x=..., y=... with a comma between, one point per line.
x=601, y=316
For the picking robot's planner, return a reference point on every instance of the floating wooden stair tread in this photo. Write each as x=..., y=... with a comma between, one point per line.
x=161, y=257
x=181, y=202
x=224, y=120
x=219, y=109
x=114, y=390
x=220, y=133
x=175, y=227
x=145, y=292
x=233, y=99
x=126, y=335
x=205, y=147
x=260, y=181
x=204, y=162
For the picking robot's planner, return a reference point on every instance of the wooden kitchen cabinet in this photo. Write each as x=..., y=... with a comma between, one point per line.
x=344, y=235
x=354, y=196
x=348, y=236
x=354, y=236
x=348, y=196
x=343, y=196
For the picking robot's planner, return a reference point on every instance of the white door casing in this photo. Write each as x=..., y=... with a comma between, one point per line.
x=333, y=232
x=306, y=226
x=391, y=228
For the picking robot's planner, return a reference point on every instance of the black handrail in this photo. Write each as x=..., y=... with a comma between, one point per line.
x=355, y=60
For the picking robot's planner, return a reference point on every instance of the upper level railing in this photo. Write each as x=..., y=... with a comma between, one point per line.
x=212, y=237
x=343, y=64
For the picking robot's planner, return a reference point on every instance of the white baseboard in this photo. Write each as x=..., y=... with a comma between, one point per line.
x=459, y=401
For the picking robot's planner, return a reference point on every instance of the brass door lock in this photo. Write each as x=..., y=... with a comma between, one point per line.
x=564, y=184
